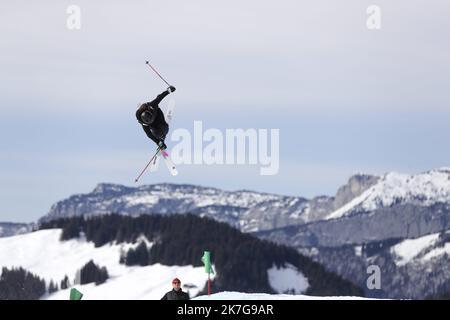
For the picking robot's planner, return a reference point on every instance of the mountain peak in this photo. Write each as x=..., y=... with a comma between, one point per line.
x=393, y=188
x=108, y=187
x=359, y=176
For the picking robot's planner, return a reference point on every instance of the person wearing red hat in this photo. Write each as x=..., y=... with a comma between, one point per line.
x=176, y=293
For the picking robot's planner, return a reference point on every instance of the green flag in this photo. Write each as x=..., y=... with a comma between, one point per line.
x=75, y=294
x=206, y=259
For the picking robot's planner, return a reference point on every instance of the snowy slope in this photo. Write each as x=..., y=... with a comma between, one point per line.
x=422, y=189
x=287, y=279
x=421, y=250
x=437, y=252
x=230, y=295
x=139, y=283
x=43, y=254
x=407, y=250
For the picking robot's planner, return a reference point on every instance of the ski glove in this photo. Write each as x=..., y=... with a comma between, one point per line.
x=171, y=89
x=162, y=145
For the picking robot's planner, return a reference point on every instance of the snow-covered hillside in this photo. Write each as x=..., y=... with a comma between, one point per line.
x=422, y=189
x=230, y=295
x=43, y=254
x=420, y=250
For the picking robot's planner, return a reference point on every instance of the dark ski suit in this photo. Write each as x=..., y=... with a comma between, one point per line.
x=158, y=130
x=175, y=295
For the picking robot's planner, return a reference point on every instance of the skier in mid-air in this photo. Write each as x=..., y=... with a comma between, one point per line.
x=155, y=126
x=150, y=116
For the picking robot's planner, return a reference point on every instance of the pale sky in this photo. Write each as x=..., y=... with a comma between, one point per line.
x=345, y=98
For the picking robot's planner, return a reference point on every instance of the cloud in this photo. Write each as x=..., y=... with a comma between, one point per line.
x=252, y=53
x=343, y=96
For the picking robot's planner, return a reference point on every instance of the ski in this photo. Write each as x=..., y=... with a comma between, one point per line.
x=170, y=165
x=169, y=113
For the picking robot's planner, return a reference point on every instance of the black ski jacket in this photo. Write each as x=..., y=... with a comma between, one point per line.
x=175, y=295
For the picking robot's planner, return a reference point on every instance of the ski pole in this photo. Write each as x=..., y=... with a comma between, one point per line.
x=148, y=63
x=136, y=180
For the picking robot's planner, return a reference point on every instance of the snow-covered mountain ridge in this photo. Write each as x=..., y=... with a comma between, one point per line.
x=247, y=210
x=424, y=189
x=254, y=211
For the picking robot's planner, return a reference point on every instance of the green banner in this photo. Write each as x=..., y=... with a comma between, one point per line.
x=75, y=294
x=206, y=259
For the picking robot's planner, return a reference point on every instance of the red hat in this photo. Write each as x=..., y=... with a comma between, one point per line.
x=176, y=280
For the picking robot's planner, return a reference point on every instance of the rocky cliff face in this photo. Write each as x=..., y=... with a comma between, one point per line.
x=355, y=186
